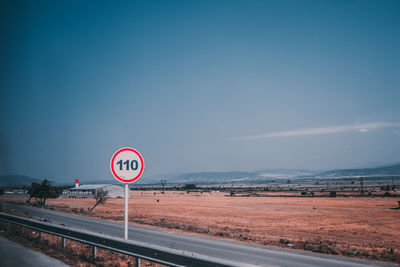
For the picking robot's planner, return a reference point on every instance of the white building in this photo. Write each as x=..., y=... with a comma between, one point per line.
x=89, y=190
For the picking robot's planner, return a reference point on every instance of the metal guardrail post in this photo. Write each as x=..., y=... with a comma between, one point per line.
x=94, y=251
x=64, y=243
x=40, y=235
x=137, y=262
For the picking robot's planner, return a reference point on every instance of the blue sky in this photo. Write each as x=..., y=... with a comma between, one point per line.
x=198, y=85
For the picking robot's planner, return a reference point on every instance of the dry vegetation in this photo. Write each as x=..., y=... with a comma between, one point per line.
x=356, y=227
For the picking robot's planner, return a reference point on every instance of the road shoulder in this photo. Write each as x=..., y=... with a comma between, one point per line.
x=13, y=254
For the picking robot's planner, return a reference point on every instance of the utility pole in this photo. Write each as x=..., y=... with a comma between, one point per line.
x=361, y=185
x=393, y=187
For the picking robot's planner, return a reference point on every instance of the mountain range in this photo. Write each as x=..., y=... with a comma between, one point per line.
x=259, y=176
x=17, y=180
x=393, y=170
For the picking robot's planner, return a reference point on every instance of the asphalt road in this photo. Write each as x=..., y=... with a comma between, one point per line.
x=13, y=255
x=240, y=252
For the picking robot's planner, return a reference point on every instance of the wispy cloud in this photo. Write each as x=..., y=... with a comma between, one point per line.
x=362, y=128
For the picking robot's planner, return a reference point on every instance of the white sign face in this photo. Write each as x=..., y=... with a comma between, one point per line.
x=127, y=165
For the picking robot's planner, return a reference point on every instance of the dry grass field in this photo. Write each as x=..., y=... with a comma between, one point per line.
x=357, y=227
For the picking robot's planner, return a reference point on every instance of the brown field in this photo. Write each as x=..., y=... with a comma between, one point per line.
x=357, y=227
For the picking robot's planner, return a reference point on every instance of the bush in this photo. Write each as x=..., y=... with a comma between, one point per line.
x=190, y=186
x=387, y=194
x=41, y=192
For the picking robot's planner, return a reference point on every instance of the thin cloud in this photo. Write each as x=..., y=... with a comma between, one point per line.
x=362, y=128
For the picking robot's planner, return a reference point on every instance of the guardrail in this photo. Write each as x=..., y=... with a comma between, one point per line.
x=140, y=250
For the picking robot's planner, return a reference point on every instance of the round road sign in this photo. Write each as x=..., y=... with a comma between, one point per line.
x=127, y=165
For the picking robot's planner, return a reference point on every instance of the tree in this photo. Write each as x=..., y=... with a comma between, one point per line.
x=101, y=197
x=41, y=192
x=189, y=186
x=163, y=182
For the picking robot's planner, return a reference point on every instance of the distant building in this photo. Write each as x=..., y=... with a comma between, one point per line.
x=89, y=190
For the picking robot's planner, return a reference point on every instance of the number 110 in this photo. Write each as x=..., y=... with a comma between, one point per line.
x=133, y=164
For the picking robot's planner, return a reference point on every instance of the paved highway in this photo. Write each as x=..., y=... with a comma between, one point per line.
x=240, y=252
x=13, y=254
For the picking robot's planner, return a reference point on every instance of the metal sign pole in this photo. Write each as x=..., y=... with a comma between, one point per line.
x=126, y=210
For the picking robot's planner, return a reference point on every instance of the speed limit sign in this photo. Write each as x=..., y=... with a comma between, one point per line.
x=127, y=165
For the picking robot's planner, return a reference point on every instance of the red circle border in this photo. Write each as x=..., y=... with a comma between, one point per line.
x=112, y=164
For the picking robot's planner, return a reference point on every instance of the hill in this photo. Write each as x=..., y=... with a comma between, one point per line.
x=260, y=176
x=269, y=175
x=266, y=175
x=393, y=170
x=17, y=180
